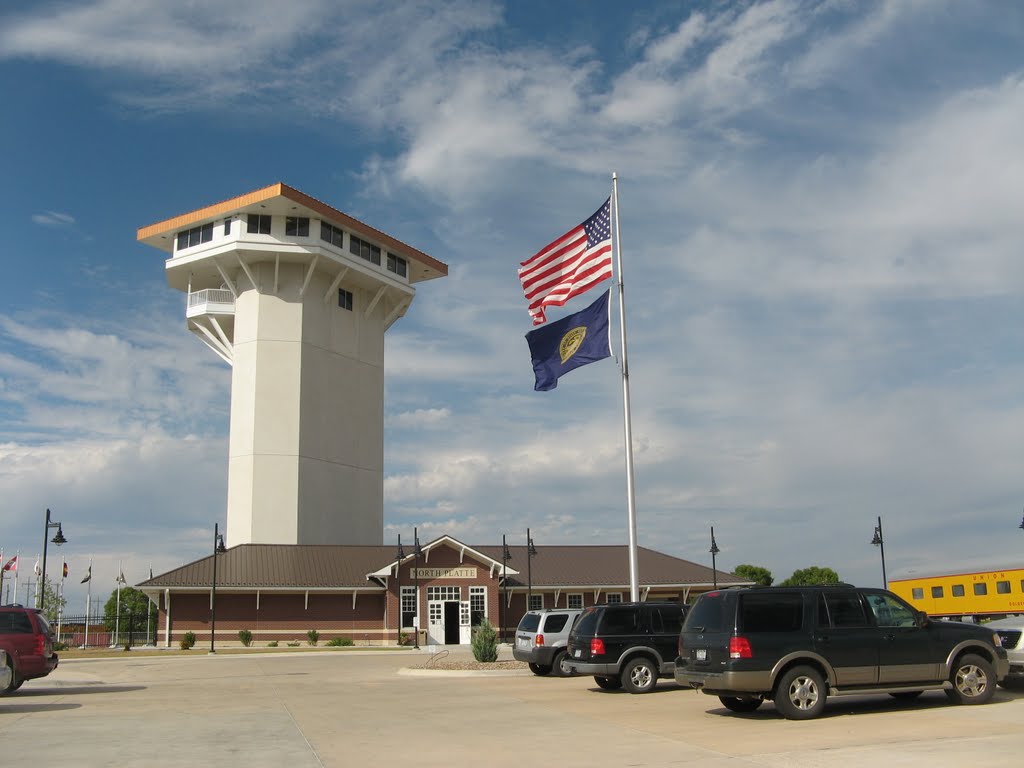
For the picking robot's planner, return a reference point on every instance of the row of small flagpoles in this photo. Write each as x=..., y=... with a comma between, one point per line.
x=12, y=566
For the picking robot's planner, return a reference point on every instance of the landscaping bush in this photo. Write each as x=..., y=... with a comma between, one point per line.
x=187, y=640
x=334, y=642
x=485, y=642
x=312, y=636
x=245, y=636
x=294, y=644
x=272, y=644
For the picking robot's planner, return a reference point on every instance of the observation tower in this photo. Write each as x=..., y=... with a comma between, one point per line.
x=296, y=297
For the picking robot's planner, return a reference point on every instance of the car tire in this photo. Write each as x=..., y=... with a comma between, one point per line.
x=800, y=694
x=973, y=679
x=539, y=669
x=640, y=675
x=906, y=695
x=558, y=665
x=738, y=704
x=14, y=682
x=608, y=683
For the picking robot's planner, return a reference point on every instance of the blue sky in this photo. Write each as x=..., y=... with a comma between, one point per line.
x=821, y=229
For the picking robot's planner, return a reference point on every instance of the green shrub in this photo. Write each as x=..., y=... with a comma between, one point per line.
x=312, y=636
x=485, y=642
x=335, y=642
x=245, y=636
x=60, y=646
x=294, y=644
x=272, y=644
x=187, y=640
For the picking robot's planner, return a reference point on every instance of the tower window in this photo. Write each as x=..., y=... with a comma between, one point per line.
x=331, y=234
x=195, y=236
x=227, y=226
x=259, y=224
x=364, y=250
x=345, y=299
x=296, y=226
x=397, y=264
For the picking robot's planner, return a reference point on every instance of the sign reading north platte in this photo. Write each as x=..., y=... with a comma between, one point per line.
x=444, y=573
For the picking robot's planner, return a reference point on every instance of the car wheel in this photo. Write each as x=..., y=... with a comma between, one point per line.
x=539, y=669
x=800, y=694
x=13, y=682
x=973, y=679
x=640, y=675
x=736, y=704
x=906, y=695
x=608, y=683
x=558, y=665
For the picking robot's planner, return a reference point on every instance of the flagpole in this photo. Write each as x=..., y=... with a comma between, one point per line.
x=60, y=595
x=88, y=604
x=117, y=619
x=634, y=574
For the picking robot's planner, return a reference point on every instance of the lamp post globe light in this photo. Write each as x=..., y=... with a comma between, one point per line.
x=531, y=552
x=218, y=548
x=714, y=552
x=879, y=542
x=58, y=539
x=399, y=556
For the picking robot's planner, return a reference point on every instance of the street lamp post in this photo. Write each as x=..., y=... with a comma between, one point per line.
x=714, y=551
x=505, y=557
x=879, y=542
x=531, y=552
x=58, y=539
x=218, y=548
x=416, y=603
x=399, y=556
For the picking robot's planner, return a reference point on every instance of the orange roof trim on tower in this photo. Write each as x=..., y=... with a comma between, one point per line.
x=275, y=191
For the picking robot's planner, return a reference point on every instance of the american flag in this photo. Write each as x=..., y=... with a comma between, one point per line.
x=569, y=266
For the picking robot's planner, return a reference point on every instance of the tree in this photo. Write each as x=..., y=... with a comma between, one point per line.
x=811, y=575
x=754, y=573
x=53, y=604
x=132, y=601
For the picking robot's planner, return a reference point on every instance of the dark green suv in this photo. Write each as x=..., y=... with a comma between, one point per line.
x=799, y=645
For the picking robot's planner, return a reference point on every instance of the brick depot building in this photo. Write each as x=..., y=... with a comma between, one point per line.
x=280, y=592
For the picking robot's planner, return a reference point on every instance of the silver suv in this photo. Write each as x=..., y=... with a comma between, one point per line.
x=541, y=638
x=1011, y=632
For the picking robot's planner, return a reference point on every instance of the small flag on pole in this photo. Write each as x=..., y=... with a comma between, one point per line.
x=36, y=569
x=121, y=579
x=569, y=266
x=65, y=571
x=88, y=575
x=12, y=564
x=569, y=343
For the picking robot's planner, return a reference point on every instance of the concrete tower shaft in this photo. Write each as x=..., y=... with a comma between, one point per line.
x=296, y=297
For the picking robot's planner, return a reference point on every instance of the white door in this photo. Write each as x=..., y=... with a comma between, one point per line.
x=435, y=625
x=465, y=629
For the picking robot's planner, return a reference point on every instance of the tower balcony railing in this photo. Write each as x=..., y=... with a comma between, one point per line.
x=211, y=301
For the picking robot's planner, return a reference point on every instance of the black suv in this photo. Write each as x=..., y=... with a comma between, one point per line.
x=626, y=645
x=799, y=645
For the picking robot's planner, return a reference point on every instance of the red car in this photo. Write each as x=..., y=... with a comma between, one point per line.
x=27, y=640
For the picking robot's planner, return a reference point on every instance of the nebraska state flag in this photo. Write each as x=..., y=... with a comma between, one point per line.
x=567, y=344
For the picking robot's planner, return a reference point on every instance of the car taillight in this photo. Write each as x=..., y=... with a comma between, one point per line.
x=596, y=647
x=40, y=645
x=539, y=640
x=739, y=648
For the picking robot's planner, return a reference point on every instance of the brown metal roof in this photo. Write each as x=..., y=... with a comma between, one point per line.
x=291, y=566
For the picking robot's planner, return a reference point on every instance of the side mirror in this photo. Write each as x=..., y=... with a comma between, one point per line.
x=922, y=619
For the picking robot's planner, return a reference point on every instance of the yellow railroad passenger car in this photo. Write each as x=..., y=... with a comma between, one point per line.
x=976, y=593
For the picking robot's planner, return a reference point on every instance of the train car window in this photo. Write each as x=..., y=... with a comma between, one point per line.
x=918, y=593
x=958, y=590
x=980, y=588
x=937, y=592
x=1003, y=587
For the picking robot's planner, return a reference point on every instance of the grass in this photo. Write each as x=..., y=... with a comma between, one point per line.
x=120, y=653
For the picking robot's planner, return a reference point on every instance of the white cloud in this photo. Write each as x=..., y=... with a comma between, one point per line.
x=53, y=219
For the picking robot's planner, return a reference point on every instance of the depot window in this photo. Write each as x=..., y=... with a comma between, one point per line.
x=477, y=605
x=575, y=601
x=331, y=234
x=536, y=602
x=613, y=597
x=345, y=299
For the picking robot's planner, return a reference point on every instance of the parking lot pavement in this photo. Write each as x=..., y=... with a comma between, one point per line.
x=367, y=708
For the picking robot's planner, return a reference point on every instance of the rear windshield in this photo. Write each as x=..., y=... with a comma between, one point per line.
x=619, y=620
x=44, y=625
x=706, y=613
x=556, y=622
x=586, y=624
x=529, y=622
x=779, y=612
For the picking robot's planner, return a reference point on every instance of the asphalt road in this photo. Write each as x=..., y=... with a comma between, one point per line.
x=371, y=709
